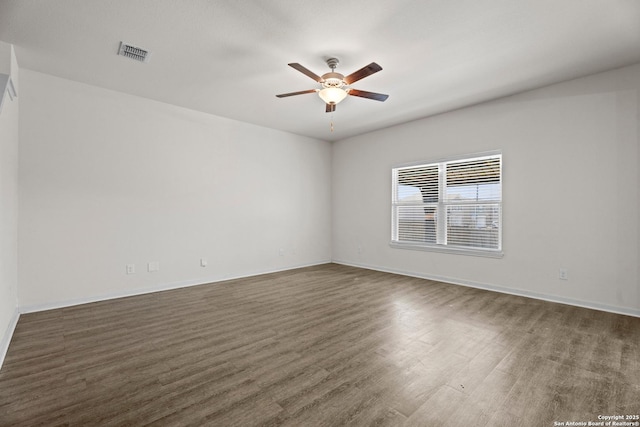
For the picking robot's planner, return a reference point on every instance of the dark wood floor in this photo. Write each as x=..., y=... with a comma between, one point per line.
x=328, y=345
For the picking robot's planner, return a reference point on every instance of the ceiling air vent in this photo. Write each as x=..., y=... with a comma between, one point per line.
x=134, y=52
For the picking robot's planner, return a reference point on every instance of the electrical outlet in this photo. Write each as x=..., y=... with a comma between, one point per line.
x=203, y=262
x=131, y=269
x=153, y=266
x=563, y=274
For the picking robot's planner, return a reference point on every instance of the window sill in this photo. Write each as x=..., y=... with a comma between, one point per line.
x=449, y=250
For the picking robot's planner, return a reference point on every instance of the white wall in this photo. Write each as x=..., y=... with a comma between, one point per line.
x=8, y=202
x=571, y=191
x=108, y=179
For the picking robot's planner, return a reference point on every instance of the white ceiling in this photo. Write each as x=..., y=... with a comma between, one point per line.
x=229, y=58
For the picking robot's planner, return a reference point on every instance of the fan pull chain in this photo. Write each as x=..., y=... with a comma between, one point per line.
x=331, y=123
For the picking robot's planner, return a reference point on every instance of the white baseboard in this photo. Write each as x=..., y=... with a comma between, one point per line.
x=551, y=298
x=8, y=334
x=161, y=287
x=6, y=339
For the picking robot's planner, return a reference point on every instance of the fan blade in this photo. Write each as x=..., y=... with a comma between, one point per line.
x=306, y=72
x=330, y=108
x=368, y=95
x=284, y=95
x=362, y=73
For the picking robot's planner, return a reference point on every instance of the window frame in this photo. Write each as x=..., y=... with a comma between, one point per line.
x=440, y=244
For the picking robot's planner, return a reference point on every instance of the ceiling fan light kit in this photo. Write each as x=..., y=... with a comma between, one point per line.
x=334, y=84
x=332, y=95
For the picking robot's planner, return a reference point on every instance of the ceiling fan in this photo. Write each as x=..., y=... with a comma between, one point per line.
x=334, y=85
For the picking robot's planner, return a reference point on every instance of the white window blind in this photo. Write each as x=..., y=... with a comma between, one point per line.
x=452, y=205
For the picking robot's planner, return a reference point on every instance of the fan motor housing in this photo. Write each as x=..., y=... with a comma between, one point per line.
x=333, y=79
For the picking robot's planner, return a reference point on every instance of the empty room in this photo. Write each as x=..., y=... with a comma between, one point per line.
x=277, y=213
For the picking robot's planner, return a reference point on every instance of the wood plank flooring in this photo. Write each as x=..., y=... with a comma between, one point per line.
x=321, y=346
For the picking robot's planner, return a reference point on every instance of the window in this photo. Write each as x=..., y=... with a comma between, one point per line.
x=454, y=205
